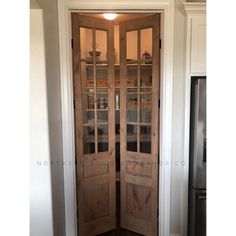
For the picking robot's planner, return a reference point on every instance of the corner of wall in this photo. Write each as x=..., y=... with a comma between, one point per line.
x=177, y=172
x=51, y=38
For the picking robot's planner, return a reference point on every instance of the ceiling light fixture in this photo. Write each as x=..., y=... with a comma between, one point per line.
x=110, y=16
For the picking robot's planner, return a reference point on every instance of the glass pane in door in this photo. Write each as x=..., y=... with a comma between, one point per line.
x=146, y=90
x=88, y=139
x=132, y=43
x=101, y=74
x=132, y=137
x=132, y=90
x=146, y=76
x=85, y=44
x=146, y=46
x=102, y=101
x=101, y=46
x=145, y=138
x=103, y=139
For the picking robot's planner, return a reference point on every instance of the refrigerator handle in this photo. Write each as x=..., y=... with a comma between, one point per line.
x=204, y=150
x=201, y=197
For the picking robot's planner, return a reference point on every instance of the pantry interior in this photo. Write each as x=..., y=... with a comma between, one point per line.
x=116, y=82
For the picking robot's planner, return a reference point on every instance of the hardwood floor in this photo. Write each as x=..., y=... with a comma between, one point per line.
x=120, y=232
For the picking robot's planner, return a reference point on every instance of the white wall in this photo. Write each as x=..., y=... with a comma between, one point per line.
x=41, y=219
x=177, y=177
x=50, y=9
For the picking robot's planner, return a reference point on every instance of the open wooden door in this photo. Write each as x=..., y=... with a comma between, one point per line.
x=140, y=81
x=93, y=74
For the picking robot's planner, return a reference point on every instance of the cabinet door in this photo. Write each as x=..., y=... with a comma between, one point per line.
x=139, y=77
x=93, y=73
x=198, y=44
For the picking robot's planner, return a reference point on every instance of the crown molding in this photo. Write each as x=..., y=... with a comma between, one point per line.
x=194, y=8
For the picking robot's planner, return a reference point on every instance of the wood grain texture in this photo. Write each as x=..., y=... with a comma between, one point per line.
x=139, y=171
x=96, y=192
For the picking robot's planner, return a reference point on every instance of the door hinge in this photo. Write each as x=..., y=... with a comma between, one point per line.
x=75, y=160
x=72, y=43
x=160, y=43
x=74, y=103
x=159, y=103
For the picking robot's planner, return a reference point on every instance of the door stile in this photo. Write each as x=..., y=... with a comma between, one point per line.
x=111, y=114
x=155, y=121
x=123, y=136
x=138, y=84
x=78, y=115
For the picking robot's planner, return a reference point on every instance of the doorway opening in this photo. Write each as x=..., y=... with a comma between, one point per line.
x=116, y=74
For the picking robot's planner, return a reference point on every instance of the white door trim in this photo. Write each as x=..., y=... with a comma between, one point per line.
x=192, y=9
x=65, y=7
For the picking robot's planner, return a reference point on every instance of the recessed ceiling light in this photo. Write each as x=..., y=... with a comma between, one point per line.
x=110, y=16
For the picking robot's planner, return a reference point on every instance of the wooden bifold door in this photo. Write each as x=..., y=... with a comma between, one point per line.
x=98, y=95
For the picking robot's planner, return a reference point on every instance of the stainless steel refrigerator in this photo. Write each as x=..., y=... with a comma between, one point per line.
x=197, y=159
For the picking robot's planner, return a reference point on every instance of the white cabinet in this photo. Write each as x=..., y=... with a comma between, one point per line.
x=198, y=45
x=196, y=38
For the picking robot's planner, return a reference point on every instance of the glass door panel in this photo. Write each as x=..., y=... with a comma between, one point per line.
x=101, y=46
x=132, y=137
x=88, y=139
x=145, y=91
x=132, y=77
x=139, y=90
x=146, y=116
x=86, y=35
x=132, y=53
x=132, y=101
x=146, y=46
x=101, y=76
x=94, y=81
x=102, y=101
x=103, y=139
x=145, y=138
x=102, y=116
x=131, y=116
x=146, y=100
x=146, y=76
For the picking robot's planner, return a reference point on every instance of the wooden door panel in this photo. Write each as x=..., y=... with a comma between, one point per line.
x=140, y=201
x=139, y=168
x=94, y=125
x=139, y=125
x=96, y=207
x=95, y=168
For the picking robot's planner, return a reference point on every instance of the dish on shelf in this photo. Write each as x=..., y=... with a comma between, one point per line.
x=130, y=61
x=89, y=60
x=97, y=53
x=148, y=61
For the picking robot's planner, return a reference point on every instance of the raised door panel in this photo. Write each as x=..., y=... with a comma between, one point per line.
x=139, y=78
x=93, y=73
x=198, y=44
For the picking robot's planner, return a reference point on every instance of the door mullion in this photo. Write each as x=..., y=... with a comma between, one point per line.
x=138, y=90
x=95, y=90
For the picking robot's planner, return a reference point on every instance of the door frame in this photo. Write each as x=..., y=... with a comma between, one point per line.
x=65, y=8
